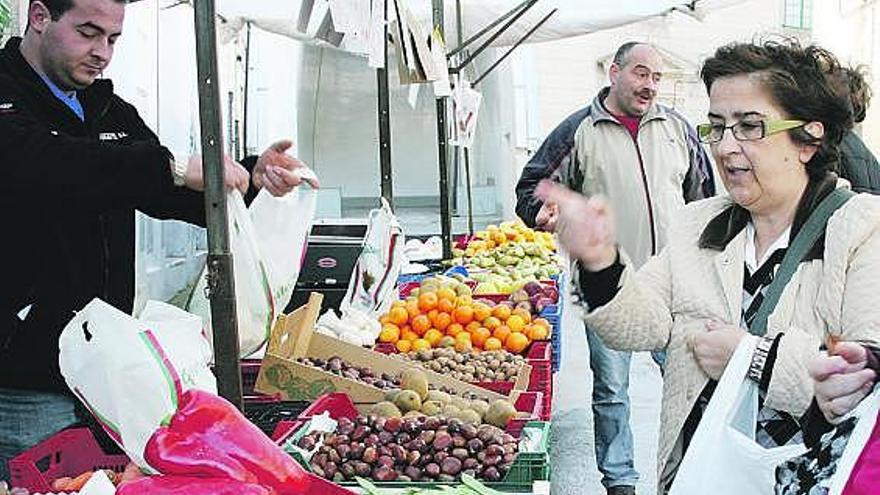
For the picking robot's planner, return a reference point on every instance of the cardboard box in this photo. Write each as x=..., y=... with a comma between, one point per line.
x=293, y=337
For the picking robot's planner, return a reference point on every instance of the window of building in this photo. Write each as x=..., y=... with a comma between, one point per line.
x=798, y=14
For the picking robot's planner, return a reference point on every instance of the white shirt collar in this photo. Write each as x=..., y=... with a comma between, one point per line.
x=752, y=263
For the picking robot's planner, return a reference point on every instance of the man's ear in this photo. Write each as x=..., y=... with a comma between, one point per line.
x=613, y=73
x=38, y=16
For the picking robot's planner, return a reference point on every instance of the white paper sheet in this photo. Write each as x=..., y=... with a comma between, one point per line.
x=441, y=65
x=376, y=42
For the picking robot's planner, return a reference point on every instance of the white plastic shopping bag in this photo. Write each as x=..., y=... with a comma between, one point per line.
x=723, y=457
x=267, y=242
x=254, y=304
x=181, y=334
x=130, y=373
x=282, y=225
x=374, y=278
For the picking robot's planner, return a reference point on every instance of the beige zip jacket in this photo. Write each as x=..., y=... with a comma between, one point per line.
x=646, y=180
x=675, y=293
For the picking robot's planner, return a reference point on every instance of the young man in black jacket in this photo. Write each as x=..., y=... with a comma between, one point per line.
x=77, y=162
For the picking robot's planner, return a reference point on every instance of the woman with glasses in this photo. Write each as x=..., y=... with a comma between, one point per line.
x=773, y=127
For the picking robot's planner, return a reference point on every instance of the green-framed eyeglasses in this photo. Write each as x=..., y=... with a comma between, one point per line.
x=746, y=130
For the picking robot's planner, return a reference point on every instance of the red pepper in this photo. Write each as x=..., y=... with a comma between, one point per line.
x=209, y=438
x=182, y=485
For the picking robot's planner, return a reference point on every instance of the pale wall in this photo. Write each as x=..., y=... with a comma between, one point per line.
x=852, y=31
x=568, y=75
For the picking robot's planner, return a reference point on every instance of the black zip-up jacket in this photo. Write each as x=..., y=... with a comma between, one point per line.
x=68, y=193
x=858, y=165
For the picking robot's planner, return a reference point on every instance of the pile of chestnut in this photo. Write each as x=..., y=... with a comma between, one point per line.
x=420, y=448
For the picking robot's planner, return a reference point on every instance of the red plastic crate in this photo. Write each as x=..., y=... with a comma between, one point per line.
x=67, y=453
x=405, y=288
x=502, y=388
x=284, y=430
x=538, y=380
x=250, y=368
x=530, y=402
x=338, y=404
x=462, y=240
x=548, y=403
x=540, y=350
x=75, y=451
x=540, y=357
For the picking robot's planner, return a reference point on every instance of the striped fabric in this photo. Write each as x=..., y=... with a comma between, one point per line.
x=774, y=428
x=755, y=285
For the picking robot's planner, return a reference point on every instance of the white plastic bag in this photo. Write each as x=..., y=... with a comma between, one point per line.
x=281, y=226
x=374, y=277
x=267, y=242
x=181, y=333
x=467, y=110
x=130, y=373
x=723, y=457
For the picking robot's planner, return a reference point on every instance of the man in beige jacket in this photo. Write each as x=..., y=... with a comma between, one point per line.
x=647, y=160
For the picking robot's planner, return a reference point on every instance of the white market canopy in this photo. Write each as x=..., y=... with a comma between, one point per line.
x=574, y=17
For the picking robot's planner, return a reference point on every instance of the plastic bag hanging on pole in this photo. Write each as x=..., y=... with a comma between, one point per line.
x=374, y=278
x=467, y=109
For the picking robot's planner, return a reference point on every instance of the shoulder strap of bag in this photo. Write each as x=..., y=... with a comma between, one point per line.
x=803, y=242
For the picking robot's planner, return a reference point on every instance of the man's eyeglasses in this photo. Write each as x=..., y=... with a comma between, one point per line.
x=746, y=130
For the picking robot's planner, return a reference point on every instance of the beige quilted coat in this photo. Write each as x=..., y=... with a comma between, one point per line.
x=678, y=290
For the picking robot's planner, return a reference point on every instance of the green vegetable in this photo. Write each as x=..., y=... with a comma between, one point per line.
x=476, y=486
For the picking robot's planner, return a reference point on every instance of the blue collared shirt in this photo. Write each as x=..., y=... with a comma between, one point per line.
x=68, y=98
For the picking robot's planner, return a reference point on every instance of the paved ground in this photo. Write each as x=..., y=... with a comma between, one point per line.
x=573, y=458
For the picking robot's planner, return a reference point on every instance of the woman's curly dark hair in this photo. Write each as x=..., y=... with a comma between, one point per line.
x=852, y=82
x=796, y=78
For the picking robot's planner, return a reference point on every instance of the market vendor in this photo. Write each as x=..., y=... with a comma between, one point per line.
x=78, y=161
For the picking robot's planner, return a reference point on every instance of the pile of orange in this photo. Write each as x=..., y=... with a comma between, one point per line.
x=422, y=322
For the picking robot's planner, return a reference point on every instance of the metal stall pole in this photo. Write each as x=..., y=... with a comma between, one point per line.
x=456, y=149
x=465, y=151
x=385, y=117
x=246, y=90
x=443, y=148
x=220, y=280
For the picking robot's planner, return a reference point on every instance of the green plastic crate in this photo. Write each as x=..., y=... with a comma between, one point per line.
x=526, y=469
